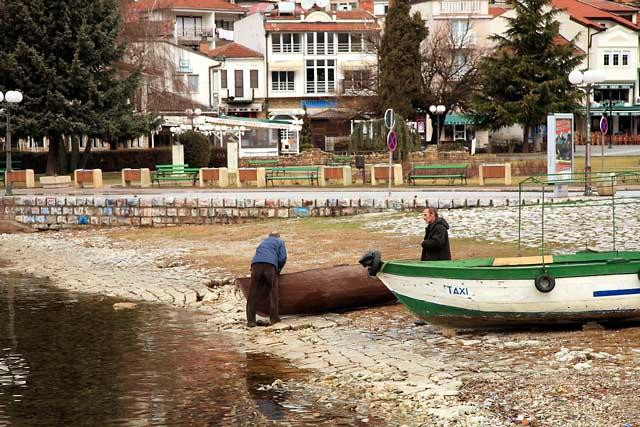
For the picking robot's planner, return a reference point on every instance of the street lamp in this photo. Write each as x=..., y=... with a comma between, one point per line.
x=437, y=110
x=191, y=113
x=176, y=131
x=585, y=81
x=11, y=97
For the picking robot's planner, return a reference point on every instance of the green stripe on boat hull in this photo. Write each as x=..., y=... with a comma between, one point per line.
x=464, y=318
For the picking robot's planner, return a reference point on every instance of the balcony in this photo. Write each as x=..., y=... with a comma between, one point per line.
x=245, y=96
x=321, y=87
x=192, y=34
x=460, y=8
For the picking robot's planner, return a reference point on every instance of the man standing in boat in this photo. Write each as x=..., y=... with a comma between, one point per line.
x=269, y=260
x=435, y=245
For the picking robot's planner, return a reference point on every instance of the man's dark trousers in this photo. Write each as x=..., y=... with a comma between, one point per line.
x=263, y=274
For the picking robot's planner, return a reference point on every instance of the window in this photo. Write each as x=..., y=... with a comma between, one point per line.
x=321, y=75
x=189, y=26
x=239, y=84
x=320, y=44
x=616, y=58
x=253, y=77
x=282, y=81
x=353, y=42
x=286, y=43
x=225, y=25
x=355, y=80
x=459, y=30
x=607, y=57
x=192, y=82
x=380, y=9
x=625, y=58
x=223, y=79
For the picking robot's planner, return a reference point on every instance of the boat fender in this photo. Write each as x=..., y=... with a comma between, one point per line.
x=545, y=282
x=373, y=261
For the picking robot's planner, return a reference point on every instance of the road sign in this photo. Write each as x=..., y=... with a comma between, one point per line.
x=392, y=140
x=604, y=125
x=390, y=118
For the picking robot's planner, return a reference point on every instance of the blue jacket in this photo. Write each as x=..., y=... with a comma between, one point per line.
x=271, y=251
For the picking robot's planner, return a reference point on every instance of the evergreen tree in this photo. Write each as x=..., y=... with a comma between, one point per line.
x=305, y=132
x=399, y=60
x=60, y=54
x=526, y=78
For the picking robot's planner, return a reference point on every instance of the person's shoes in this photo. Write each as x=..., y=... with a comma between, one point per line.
x=251, y=324
x=419, y=322
x=262, y=323
x=274, y=320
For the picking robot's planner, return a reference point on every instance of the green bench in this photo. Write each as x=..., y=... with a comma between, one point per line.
x=293, y=173
x=450, y=172
x=175, y=173
x=260, y=163
x=339, y=161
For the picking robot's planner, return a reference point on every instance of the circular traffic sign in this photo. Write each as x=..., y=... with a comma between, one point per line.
x=392, y=140
x=389, y=118
x=604, y=125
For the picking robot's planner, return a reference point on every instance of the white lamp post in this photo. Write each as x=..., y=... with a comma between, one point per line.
x=191, y=113
x=11, y=97
x=585, y=81
x=437, y=110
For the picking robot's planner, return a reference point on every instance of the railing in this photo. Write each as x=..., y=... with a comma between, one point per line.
x=283, y=86
x=192, y=33
x=287, y=48
x=321, y=87
x=596, y=139
x=463, y=7
x=247, y=95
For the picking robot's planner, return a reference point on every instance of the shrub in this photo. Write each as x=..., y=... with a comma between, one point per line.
x=197, y=149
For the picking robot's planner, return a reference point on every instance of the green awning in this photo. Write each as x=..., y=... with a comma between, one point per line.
x=458, y=119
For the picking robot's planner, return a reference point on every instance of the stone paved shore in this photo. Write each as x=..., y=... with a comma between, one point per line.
x=378, y=359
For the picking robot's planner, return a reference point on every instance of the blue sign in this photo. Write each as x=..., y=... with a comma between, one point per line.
x=318, y=103
x=604, y=125
x=392, y=140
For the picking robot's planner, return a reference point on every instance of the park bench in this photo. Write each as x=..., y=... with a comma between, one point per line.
x=261, y=163
x=450, y=172
x=175, y=173
x=339, y=161
x=293, y=173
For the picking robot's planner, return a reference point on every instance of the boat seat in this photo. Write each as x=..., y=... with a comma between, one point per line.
x=522, y=260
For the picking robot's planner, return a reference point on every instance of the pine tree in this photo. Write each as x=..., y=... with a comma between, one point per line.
x=526, y=78
x=60, y=54
x=399, y=60
x=306, y=133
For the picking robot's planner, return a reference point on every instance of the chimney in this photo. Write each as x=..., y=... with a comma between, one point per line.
x=367, y=5
x=204, y=47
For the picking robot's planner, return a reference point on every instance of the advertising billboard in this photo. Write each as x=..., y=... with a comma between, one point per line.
x=560, y=140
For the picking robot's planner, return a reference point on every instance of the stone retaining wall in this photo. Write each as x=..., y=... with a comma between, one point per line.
x=65, y=212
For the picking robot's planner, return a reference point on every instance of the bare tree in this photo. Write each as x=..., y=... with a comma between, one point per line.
x=449, y=69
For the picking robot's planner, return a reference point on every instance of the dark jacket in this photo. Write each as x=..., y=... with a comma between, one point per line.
x=435, y=245
x=271, y=251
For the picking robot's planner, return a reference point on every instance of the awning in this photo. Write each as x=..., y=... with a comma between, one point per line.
x=354, y=65
x=286, y=112
x=458, y=119
x=285, y=66
x=615, y=110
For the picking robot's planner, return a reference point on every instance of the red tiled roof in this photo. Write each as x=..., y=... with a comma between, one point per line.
x=496, y=11
x=271, y=27
x=234, y=50
x=355, y=15
x=560, y=40
x=144, y=5
x=611, y=6
x=586, y=14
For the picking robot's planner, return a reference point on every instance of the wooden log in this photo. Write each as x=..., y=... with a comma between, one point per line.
x=323, y=289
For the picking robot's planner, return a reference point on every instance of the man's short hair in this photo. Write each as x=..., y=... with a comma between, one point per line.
x=274, y=234
x=433, y=211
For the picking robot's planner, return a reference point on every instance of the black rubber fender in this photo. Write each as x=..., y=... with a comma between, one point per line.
x=372, y=260
x=545, y=282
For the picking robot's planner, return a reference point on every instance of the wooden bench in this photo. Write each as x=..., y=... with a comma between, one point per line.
x=175, y=173
x=450, y=172
x=261, y=163
x=293, y=173
x=339, y=161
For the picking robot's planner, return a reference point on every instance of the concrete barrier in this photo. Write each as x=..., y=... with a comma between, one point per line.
x=494, y=170
x=87, y=178
x=247, y=176
x=340, y=174
x=25, y=176
x=141, y=177
x=61, y=181
x=214, y=176
x=380, y=174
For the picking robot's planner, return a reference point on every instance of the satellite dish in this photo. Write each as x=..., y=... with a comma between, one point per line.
x=322, y=3
x=307, y=4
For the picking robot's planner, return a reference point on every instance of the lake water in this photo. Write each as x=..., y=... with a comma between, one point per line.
x=71, y=359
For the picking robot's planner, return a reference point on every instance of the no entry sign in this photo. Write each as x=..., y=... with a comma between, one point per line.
x=604, y=125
